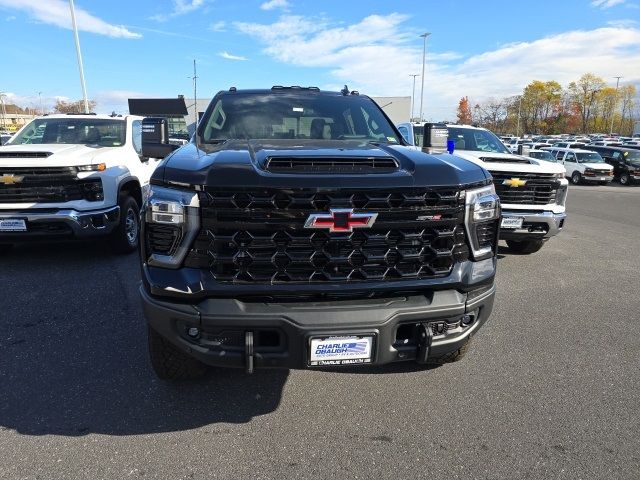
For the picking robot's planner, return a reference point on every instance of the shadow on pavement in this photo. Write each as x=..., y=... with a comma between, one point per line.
x=73, y=353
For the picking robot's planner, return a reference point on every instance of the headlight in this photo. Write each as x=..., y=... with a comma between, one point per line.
x=559, y=175
x=172, y=221
x=481, y=220
x=100, y=167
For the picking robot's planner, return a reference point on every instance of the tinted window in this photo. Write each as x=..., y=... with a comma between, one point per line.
x=296, y=116
x=77, y=131
x=589, y=157
x=418, y=134
x=404, y=132
x=542, y=156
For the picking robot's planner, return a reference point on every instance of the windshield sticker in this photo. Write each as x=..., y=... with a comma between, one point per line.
x=298, y=109
x=391, y=139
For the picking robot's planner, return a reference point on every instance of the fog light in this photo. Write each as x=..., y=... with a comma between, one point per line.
x=193, y=332
x=466, y=320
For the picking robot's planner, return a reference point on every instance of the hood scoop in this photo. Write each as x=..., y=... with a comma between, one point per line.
x=24, y=154
x=341, y=165
x=504, y=160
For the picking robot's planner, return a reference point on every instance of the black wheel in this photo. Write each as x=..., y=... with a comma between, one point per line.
x=5, y=247
x=576, y=178
x=124, y=238
x=528, y=246
x=169, y=362
x=451, y=357
x=624, y=179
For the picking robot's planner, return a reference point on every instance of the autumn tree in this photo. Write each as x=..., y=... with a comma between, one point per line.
x=583, y=94
x=63, y=106
x=464, y=111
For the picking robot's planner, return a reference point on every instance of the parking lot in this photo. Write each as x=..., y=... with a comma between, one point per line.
x=550, y=389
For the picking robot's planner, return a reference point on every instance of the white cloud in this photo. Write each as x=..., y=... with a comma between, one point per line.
x=10, y=18
x=622, y=23
x=180, y=7
x=220, y=26
x=377, y=55
x=56, y=12
x=606, y=3
x=228, y=56
x=273, y=4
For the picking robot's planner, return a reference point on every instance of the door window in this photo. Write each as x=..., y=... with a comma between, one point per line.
x=136, y=136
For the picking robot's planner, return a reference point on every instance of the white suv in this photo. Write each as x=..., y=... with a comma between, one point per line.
x=583, y=165
x=74, y=176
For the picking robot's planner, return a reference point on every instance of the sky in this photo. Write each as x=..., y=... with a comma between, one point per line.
x=145, y=48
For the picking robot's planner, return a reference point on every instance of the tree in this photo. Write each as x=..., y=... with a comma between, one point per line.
x=73, y=107
x=583, y=94
x=464, y=111
x=629, y=103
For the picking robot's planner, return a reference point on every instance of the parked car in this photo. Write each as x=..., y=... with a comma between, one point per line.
x=569, y=144
x=542, y=155
x=533, y=193
x=74, y=176
x=625, y=162
x=583, y=165
x=298, y=230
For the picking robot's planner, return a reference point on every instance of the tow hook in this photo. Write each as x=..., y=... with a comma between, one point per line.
x=425, y=337
x=248, y=352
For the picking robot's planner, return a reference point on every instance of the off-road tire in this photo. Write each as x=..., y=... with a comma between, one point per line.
x=528, y=246
x=624, y=179
x=451, y=357
x=121, y=238
x=169, y=362
x=576, y=178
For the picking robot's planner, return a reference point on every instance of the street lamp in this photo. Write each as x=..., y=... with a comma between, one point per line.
x=615, y=104
x=40, y=102
x=77, y=39
x=424, y=57
x=3, y=110
x=413, y=95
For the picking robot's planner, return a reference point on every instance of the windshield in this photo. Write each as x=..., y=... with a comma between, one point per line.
x=296, y=116
x=73, y=131
x=476, y=140
x=589, y=157
x=542, y=156
x=632, y=156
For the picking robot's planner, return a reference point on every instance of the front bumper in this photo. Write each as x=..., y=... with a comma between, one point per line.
x=597, y=178
x=62, y=223
x=281, y=332
x=535, y=225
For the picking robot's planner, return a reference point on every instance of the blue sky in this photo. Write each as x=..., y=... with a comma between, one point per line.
x=482, y=49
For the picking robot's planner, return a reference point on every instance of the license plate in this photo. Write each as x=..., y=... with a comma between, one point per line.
x=512, y=222
x=346, y=350
x=13, y=225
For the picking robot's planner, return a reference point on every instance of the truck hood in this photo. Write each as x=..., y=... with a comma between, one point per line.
x=242, y=163
x=505, y=162
x=597, y=166
x=51, y=155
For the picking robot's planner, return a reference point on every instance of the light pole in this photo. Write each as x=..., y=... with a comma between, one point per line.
x=413, y=96
x=615, y=104
x=77, y=39
x=40, y=102
x=424, y=57
x=519, y=110
x=3, y=111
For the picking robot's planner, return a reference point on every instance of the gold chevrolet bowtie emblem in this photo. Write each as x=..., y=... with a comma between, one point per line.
x=10, y=178
x=514, y=182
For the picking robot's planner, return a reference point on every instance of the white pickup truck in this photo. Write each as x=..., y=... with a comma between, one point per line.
x=74, y=176
x=532, y=192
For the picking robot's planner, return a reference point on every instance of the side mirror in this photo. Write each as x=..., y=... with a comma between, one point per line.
x=155, y=138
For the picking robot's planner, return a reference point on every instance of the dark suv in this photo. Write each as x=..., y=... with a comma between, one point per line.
x=625, y=162
x=298, y=230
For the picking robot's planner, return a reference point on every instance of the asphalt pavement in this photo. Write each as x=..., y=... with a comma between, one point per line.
x=550, y=389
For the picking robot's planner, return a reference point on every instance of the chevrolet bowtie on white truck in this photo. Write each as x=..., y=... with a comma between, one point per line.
x=74, y=176
x=298, y=230
x=532, y=192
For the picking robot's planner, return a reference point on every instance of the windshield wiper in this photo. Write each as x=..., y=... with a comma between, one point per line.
x=216, y=141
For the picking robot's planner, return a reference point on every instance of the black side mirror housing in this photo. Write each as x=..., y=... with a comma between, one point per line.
x=155, y=138
x=435, y=137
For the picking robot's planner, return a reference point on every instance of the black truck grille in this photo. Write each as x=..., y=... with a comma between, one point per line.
x=259, y=236
x=46, y=184
x=354, y=165
x=539, y=189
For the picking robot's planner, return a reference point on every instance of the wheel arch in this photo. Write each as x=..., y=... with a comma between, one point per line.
x=131, y=187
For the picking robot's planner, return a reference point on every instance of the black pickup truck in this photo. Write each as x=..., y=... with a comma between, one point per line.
x=298, y=230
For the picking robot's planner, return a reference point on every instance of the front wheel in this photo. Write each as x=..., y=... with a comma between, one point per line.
x=576, y=178
x=124, y=238
x=528, y=246
x=624, y=179
x=451, y=357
